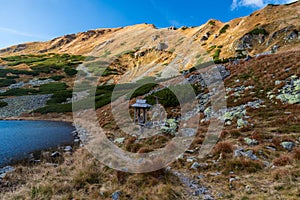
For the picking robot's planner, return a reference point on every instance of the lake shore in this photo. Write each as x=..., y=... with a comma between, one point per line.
x=53, y=156
x=67, y=117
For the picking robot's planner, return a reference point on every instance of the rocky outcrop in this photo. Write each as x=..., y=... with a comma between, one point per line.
x=23, y=104
x=289, y=93
x=251, y=39
x=5, y=170
x=20, y=47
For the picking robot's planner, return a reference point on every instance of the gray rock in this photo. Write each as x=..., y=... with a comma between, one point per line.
x=161, y=46
x=208, y=197
x=238, y=152
x=119, y=140
x=51, y=164
x=241, y=123
x=271, y=148
x=250, y=155
x=292, y=36
x=223, y=71
x=77, y=141
x=20, y=47
x=55, y=154
x=116, y=195
x=288, y=145
x=5, y=170
x=241, y=153
x=155, y=37
x=275, y=48
x=195, y=165
x=250, y=142
x=68, y=148
x=201, y=176
x=200, y=191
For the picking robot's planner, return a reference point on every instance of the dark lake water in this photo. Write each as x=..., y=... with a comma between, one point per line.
x=19, y=138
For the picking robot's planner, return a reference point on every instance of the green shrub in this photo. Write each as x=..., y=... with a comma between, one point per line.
x=106, y=53
x=211, y=48
x=26, y=59
x=103, y=100
x=90, y=58
x=3, y=104
x=12, y=77
x=6, y=82
x=24, y=72
x=128, y=52
x=109, y=71
x=4, y=72
x=224, y=29
x=52, y=88
x=217, y=54
x=168, y=98
x=70, y=71
x=212, y=22
x=60, y=97
x=104, y=89
x=142, y=90
x=19, y=92
x=57, y=78
x=41, y=69
x=55, y=108
x=258, y=31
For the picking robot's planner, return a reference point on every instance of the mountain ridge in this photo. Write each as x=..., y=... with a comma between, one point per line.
x=274, y=25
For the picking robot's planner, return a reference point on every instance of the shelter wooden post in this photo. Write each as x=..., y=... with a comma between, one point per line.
x=140, y=111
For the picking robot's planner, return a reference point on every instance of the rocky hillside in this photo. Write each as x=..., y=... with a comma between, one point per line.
x=274, y=28
x=257, y=154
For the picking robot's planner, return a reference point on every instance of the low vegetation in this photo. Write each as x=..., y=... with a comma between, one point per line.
x=258, y=31
x=6, y=82
x=224, y=29
x=3, y=104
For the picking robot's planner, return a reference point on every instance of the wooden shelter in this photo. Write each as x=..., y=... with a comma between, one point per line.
x=140, y=111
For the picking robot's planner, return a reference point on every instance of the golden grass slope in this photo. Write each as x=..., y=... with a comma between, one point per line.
x=272, y=18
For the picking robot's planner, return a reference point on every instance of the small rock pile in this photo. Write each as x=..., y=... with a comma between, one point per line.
x=290, y=92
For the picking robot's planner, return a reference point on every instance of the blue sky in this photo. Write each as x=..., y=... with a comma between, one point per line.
x=40, y=20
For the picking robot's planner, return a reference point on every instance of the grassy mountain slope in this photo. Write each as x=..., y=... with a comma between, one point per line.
x=257, y=155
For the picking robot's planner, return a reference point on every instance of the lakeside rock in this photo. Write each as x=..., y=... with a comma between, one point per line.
x=5, y=170
x=23, y=104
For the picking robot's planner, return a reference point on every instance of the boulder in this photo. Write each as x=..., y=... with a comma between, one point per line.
x=55, y=154
x=241, y=123
x=292, y=36
x=287, y=145
x=5, y=170
x=240, y=152
x=250, y=142
x=223, y=71
x=68, y=148
x=161, y=46
x=116, y=195
x=195, y=165
x=119, y=140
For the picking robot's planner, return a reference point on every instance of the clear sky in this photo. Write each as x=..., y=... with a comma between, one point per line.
x=39, y=20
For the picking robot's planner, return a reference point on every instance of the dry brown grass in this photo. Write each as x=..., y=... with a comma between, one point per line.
x=243, y=164
x=223, y=147
x=234, y=133
x=281, y=174
x=82, y=177
x=296, y=153
x=282, y=160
